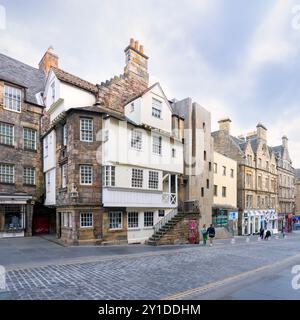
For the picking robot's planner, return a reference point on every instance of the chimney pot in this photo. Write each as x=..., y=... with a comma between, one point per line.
x=141, y=49
x=136, y=45
x=132, y=42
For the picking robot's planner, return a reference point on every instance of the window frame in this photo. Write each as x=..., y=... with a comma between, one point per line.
x=136, y=140
x=135, y=218
x=111, y=218
x=5, y=136
x=137, y=178
x=10, y=100
x=64, y=176
x=109, y=176
x=157, y=145
x=11, y=166
x=85, y=218
x=156, y=108
x=81, y=167
x=153, y=183
x=146, y=214
x=86, y=132
x=29, y=177
x=28, y=141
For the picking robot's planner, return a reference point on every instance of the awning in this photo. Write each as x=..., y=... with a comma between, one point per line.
x=17, y=198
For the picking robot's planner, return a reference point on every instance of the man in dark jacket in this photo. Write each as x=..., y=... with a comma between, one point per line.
x=268, y=235
x=211, y=234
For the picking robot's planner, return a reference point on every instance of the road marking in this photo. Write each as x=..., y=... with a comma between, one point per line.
x=214, y=285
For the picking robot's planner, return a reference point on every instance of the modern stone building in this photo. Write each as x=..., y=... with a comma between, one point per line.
x=198, y=157
x=257, y=177
x=224, y=212
x=286, y=185
x=21, y=176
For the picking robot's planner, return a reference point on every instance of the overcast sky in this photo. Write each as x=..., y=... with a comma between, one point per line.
x=236, y=58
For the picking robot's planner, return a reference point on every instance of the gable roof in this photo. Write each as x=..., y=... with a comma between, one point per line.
x=74, y=80
x=149, y=89
x=19, y=73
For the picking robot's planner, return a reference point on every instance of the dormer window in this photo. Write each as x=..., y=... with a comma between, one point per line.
x=132, y=107
x=156, y=108
x=12, y=98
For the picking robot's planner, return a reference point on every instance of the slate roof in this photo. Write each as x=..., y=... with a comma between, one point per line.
x=19, y=73
x=74, y=80
x=297, y=172
x=278, y=150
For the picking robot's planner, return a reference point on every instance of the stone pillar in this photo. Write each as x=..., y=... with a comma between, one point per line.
x=28, y=220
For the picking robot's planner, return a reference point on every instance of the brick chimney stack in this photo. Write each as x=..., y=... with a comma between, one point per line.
x=136, y=62
x=49, y=60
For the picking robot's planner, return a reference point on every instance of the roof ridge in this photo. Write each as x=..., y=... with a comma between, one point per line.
x=68, y=73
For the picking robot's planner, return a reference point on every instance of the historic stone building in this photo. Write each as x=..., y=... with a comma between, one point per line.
x=286, y=185
x=108, y=187
x=21, y=176
x=297, y=193
x=256, y=179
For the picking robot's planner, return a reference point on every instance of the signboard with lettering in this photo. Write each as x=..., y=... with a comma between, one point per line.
x=233, y=215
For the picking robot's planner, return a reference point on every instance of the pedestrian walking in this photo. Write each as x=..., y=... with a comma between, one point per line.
x=283, y=233
x=262, y=233
x=204, y=234
x=211, y=234
x=268, y=235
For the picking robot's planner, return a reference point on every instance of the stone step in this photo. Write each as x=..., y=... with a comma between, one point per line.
x=152, y=243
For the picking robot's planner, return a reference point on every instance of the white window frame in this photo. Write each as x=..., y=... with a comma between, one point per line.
x=157, y=145
x=156, y=108
x=7, y=134
x=113, y=223
x=86, y=130
x=133, y=219
x=137, y=176
x=136, y=141
x=65, y=135
x=7, y=173
x=12, y=98
x=29, y=141
x=109, y=176
x=86, y=220
x=83, y=174
x=65, y=219
x=64, y=176
x=153, y=181
x=29, y=173
x=146, y=214
x=46, y=147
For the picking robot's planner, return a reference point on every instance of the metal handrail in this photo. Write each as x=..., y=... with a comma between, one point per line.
x=164, y=220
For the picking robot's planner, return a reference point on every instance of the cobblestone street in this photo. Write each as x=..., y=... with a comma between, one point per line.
x=145, y=272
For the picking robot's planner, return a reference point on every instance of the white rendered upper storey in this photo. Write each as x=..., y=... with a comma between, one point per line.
x=61, y=95
x=142, y=156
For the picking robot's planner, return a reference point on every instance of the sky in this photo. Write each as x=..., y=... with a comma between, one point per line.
x=237, y=58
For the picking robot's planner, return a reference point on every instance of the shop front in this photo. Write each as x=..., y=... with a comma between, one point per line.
x=253, y=220
x=14, y=216
x=226, y=217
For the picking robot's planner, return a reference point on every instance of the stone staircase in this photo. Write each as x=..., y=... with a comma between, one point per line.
x=165, y=227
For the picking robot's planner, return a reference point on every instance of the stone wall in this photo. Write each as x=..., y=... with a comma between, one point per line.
x=179, y=234
x=29, y=117
x=114, y=236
